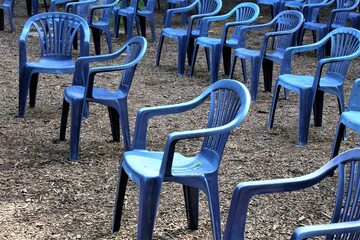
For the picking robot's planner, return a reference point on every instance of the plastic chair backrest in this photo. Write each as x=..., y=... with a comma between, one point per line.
x=341, y=17
x=56, y=32
x=290, y=20
x=343, y=43
x=206, y=7
x=246, y=11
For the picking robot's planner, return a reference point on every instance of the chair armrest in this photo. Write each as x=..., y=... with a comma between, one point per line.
x=243, y=193
x=55, y=2
x=144, y=114
x=326, y=230
x=174, y=137
x=75, y=4
x=96, y=7
x=172, y=11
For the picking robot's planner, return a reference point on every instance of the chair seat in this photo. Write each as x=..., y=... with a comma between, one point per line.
x=246, y=53
x=98, y=94
x=314, y=25
x=351, y=119
x=125, y=11
x=207, y=41
x=147, y=164
x=53, y=65
x=177, y=32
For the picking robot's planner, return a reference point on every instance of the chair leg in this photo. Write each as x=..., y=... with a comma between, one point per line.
x=152, y=26
x=119, y=202
x=10, y=15
x=24, y=82
x=233, y=62
x=76, y=118
x=158, y=55
x=148, y=203
x=340, y=130
x=96, y=36
x=304, y=117
x=33, y=88
x=192, y=206
x=182, y=46
x=108, y=39
x=190, y=49
x=273, y=106
x=194, y=55
x=64, y=119
x=226, y=52
x=214, y=205
x=142, y=23
x=318, y=108
x=124, y=119
x=116, y=25
x=254, y=77
x=114, y=123
x=243, y=67
x=268, y=73
x=215, y=63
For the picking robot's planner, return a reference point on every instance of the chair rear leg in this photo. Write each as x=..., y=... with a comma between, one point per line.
x=158, y=55
x=33, y=88
x=190, y=49
x=108, y=39
x=226, y=52
x=152, y=26
x=273, y=106
x=244, y=71
x=142, y=22
x=119, y=202
x=96, y=36
x=340, y=130
x=268, y=73
x=318, y=108
x=192, y=206
x=255, y=68
x=215, y=63
x=232, y=68
x=64, y=119
x=194, y=55
x=114, y=123
x=124, y=120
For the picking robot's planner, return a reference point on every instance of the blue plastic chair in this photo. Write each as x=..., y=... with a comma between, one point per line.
x=228, y=106
x=285, y=25
x=329, y=77
x=128, y=12
x=245, y=14
x=8, y=6
x=142, y=15
x=348, y=119
x=337, y=18
x=186, y=37
x=56, y=32
x=99, y=21
x=83, y=91
x=345, y=222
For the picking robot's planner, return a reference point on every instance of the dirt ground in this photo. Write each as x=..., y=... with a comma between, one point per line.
x=45, y=196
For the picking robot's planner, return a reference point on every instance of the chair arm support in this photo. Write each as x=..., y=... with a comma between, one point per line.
x=326, y=230
x=174, y=137
x=243, y=193
x=172, y=11
x=96, y=7
x=144, y=114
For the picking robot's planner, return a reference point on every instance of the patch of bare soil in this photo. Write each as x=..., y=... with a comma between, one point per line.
x=45, y=196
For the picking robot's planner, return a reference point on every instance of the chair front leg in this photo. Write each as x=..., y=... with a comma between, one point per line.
x=192, y=206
